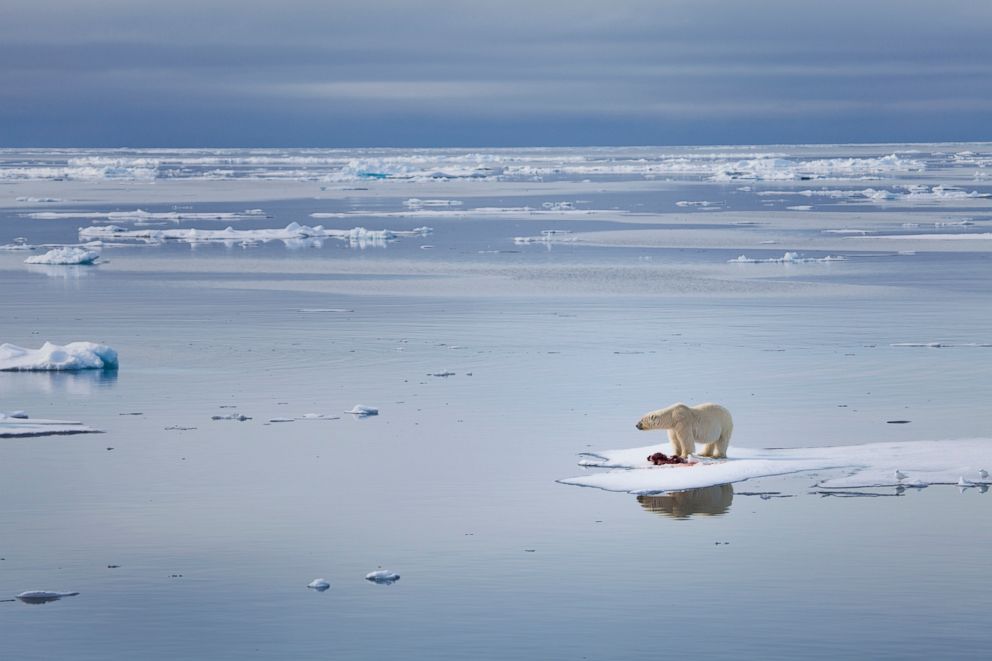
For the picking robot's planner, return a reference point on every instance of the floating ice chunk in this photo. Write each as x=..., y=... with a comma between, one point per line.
x=940, y=345
x=148, y=216
x=232, y=416
x=363, y=411
x=53, y=357
x=787, y=258
x=700, y=204
x=65, y=256
x=17, y=424
x=323, y=416
x=416, y=203
x=43, y=596
x=383, y=576
x=282, y=419
x=864, y=466
x=800, y=207
x=19, y=243
x=963, y=236
x=319, y=584
x=39, y=200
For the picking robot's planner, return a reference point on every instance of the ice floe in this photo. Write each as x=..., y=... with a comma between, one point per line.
x=908, y=464
x=54, y=357
x=417, y=203
x=363, y=411
x=17, y=424
x=43, y=596
x=939, y=345
x=62, y=256
x=910, y=193
x=355, y=236
x=547, y=236
x=19, y=243
x=787, y=258
x=319, y=584
x=963, y=236
x=142, y=215
x=383, y=576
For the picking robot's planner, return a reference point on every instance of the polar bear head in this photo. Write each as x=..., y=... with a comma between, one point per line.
x=665, y=418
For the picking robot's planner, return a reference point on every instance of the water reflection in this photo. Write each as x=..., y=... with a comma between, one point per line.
x=83, y=382
x=709, y=501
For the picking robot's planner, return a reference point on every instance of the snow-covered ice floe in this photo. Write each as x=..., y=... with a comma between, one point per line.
x=319, y=584
x=547, y=236
x=68, y=255
x=787, y=258
x=18, y=425
x=910, y=464
x=383, y=576
x=54, y=357
x=363, y=411
x=357, y=235
x=913, y=193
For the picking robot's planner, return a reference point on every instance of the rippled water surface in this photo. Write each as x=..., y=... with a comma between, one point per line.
x=194, y=538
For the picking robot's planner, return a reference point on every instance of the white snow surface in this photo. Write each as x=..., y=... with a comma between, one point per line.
x=54, y=357
x=921, y=463
x=69, y=255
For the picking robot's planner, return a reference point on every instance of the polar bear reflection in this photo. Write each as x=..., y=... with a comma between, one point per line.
x=711, y=501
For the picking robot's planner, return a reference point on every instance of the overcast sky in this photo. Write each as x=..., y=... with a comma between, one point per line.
x=507, y=73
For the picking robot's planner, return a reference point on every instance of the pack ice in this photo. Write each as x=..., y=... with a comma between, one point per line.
x=68, y=255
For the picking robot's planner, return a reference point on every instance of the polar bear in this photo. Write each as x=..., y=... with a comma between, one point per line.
x=709, y=424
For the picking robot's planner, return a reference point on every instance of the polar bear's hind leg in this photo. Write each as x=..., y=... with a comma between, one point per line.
x=709, y=450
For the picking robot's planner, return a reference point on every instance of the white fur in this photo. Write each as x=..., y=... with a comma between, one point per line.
x=707, y=424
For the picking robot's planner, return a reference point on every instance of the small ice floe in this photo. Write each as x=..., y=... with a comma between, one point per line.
x=800, y=207
x=982, y=473
x=382, y=576
x=63, y=256
x=43, y=596
x=20, y=243
x=39, y=200
x=282, y=419
x=317, y=310
x=319, y=584
x=363, y=411
x=787, y=258
x=965, y=483
x=441, y=374
x=416, y=203
x=54, y=357
x=699, y=204
x=547, y=236
x=326, y=416
x=17, y=424
x=232, y=416
x=941, y=345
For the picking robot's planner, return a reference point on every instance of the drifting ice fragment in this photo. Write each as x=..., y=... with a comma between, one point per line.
x=43, y=596
x=363, y=411
x=319, y=584
x=62, y=256
x=382, y=576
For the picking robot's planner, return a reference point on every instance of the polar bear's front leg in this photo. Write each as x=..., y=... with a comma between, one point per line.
x=682, y=444
x=709, y=450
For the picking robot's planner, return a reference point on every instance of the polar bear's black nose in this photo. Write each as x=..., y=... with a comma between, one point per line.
x=639, y=425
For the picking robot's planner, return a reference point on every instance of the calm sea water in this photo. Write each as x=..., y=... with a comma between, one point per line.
x=198, y=543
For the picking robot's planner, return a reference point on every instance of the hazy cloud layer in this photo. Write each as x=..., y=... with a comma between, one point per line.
x=512, y=73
